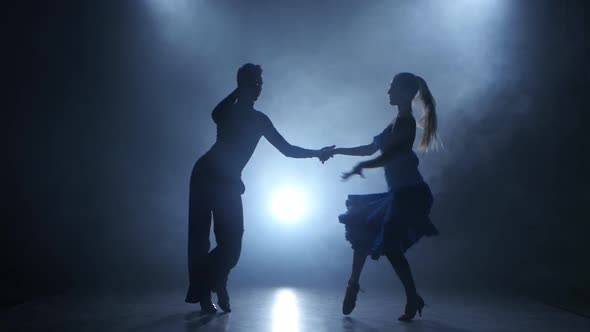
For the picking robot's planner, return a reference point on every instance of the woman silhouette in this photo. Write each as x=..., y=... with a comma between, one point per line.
x=216, y=188
x=389, y=223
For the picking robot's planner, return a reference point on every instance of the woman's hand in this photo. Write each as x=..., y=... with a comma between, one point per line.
x=358, y=169
x=326, y=153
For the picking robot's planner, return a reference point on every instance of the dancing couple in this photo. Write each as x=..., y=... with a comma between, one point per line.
x=376, y=224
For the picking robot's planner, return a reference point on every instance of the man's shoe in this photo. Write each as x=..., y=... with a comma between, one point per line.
x=223, y=299
x=207, y=307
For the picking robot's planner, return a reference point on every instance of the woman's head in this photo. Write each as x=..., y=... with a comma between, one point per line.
x=403, y=90
x=250, y=81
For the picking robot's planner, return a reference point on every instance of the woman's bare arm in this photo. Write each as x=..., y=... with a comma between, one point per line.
x=363, y=150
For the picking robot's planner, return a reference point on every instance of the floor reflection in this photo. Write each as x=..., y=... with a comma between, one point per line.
x=288, y=310
x=285, y=312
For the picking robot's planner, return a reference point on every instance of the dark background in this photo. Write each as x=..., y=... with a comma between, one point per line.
x=112, y=108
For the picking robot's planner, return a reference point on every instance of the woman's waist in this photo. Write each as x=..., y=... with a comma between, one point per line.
x=411, y=190
x=403, y=173
x=405, y=181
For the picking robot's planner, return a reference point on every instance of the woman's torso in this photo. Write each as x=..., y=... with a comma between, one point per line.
x=401, y=171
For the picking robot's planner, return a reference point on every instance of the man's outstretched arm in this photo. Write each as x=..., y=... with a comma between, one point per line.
x=277, y=140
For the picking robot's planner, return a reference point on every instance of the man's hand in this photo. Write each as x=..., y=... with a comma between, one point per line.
x=326, y=153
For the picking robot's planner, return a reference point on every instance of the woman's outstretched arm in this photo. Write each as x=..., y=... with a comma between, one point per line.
x=363, y=150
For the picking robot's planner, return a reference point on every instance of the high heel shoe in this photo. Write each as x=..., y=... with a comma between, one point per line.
x=412, y=307
x=350, y=298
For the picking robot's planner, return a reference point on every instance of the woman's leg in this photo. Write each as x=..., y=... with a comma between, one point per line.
x=402, y=269
x=358, y=262
x=414, y=303
x=395, y=234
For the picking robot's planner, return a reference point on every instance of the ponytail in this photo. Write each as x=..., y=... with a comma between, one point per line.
x=429, y=121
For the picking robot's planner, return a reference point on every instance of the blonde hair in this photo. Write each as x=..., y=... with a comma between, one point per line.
x=429, y=121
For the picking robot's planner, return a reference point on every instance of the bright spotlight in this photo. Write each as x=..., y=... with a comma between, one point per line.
x=288, y=204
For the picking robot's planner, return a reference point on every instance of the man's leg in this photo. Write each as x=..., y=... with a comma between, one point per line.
x=229, y=228
x=198, y=243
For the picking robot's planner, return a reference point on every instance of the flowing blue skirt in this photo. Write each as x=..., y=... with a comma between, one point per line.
x=388, y=222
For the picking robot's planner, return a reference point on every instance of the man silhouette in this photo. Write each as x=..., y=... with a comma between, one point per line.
x=216, y=188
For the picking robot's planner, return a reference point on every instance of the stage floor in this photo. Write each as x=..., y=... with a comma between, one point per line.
x=287, y=310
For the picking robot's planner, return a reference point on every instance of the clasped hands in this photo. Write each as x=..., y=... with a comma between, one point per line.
x=328, y=152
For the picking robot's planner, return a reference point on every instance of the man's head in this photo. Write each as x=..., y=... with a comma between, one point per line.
x=250, y=81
